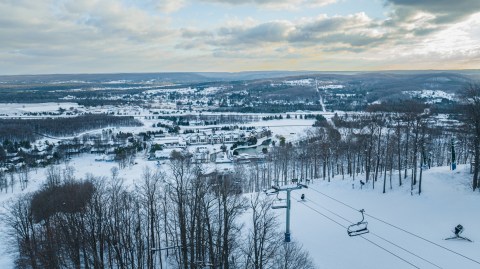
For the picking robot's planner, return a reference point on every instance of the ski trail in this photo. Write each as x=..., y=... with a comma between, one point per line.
x=320, y=97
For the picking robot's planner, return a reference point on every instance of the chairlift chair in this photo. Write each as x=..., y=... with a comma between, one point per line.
x=271, y=192
x=458, y=230
x=279, y=203
x=359, y=227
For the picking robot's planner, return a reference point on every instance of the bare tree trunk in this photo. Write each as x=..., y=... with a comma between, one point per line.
x=399, y=140
x=378, y=152
x=476, y=162
x=386, y=158
x=415, y=154
x=406, y=149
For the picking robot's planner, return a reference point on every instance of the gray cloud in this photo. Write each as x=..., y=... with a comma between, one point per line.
x=356, y=42
x=410, y=21
x=357, y=31
x=235, y=37
x=446, y=11
x=275, y=31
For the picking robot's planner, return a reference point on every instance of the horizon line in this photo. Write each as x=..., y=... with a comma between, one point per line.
x=246, y=71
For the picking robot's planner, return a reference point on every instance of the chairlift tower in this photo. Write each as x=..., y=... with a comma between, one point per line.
x=288, y=189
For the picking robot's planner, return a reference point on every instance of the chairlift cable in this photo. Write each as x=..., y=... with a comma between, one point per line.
x=318, y=212
x=420, y=237
x=317, y=204
x=368, y=240
x=401, y=229
x=317, y=191
x=380, y=237
x=406, y=250
x=389, y=252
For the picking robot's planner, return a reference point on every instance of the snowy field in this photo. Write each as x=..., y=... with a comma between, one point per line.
x=291, y=129
x=20, y=108
x=431, y=94
x=319, y=223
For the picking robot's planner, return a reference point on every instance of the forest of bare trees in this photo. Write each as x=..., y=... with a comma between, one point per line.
x=187, y=221
x=386, y=149
x=471, y=112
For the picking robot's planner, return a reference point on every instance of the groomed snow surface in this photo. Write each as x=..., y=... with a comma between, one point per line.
x=446, y=200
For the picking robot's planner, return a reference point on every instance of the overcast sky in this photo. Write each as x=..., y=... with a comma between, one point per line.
x=105, y=36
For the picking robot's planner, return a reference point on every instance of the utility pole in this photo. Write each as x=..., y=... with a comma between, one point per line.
x=288, y=189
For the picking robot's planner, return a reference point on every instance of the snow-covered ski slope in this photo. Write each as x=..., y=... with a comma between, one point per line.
x=406, y=231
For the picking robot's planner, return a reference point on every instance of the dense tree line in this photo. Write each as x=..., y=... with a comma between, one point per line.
x=34, y=92
x=31, y=129
x=271, y=108
x=93, y=102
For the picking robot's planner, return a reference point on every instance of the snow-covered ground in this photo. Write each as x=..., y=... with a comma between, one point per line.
x=434, y=96
x=331, y=87
x=212, y=90
x=188, y=90
x=299, y=82
x=291, y=129
x=10, y=109
x=446, y=201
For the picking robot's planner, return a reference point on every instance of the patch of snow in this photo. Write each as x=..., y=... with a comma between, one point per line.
x=331, y=87
x=434, y=95
x=70, y=81
x=122, y=81
x=212, y=90
x=176, y=90
x=299, y=82
x=12, y=108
